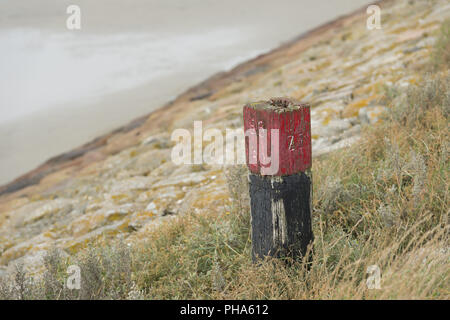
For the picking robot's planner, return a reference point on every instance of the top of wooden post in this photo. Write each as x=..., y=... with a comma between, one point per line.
x=278, y=136
x=280, y=104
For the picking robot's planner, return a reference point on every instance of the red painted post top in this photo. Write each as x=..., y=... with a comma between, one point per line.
x=278, y=137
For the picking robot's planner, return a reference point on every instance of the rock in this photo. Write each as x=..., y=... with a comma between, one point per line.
x=3, y=273
x=151, y=207
x=339, y=145
x=42, y=241
x=117, y=187
x=158, y=142
x=105, y=213
x=331, y=129
x=181, y=180
x=371, y=115
x=74, y=244
x=37, y=210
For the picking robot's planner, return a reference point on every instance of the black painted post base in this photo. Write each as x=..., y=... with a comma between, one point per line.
x=281, y=215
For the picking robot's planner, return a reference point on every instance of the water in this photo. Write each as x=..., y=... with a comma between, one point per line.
x=41, y=70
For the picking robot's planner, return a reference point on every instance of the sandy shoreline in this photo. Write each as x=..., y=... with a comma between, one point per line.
x=30, y=140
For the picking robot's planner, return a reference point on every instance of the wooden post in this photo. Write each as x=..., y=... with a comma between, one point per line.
x=278, y=153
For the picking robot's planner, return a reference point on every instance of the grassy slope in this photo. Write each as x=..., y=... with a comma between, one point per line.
x=383, y=202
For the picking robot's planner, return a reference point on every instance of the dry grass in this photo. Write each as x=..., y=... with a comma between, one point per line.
x=383, y=202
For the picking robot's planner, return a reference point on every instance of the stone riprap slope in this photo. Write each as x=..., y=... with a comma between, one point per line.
x=124, y=183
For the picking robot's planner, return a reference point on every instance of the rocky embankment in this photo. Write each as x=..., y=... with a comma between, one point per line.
x=124, y=184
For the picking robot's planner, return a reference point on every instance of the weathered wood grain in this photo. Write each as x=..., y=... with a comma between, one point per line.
x=280, y=215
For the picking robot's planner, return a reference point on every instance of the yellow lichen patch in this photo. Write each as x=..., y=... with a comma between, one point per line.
x=141, y=218
x=14, y=253
x=73, y=246
x=347, y=36
x=37, y=197
x=327, y=114
x=367, y=48
x=352, y=109
x=133, y=153
x=33, y=245
x=322, y=65
x=326, y=120
x=5, y=244
x=375, y=114
x=370, y=89
x=150, y=214
x=315, y=136
x=402, y=29
x=118, y=197
x=85, y=224
x=114, y=217
x=299, y=94
x=48, y=234
x=412, y=81
x=304, y=82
